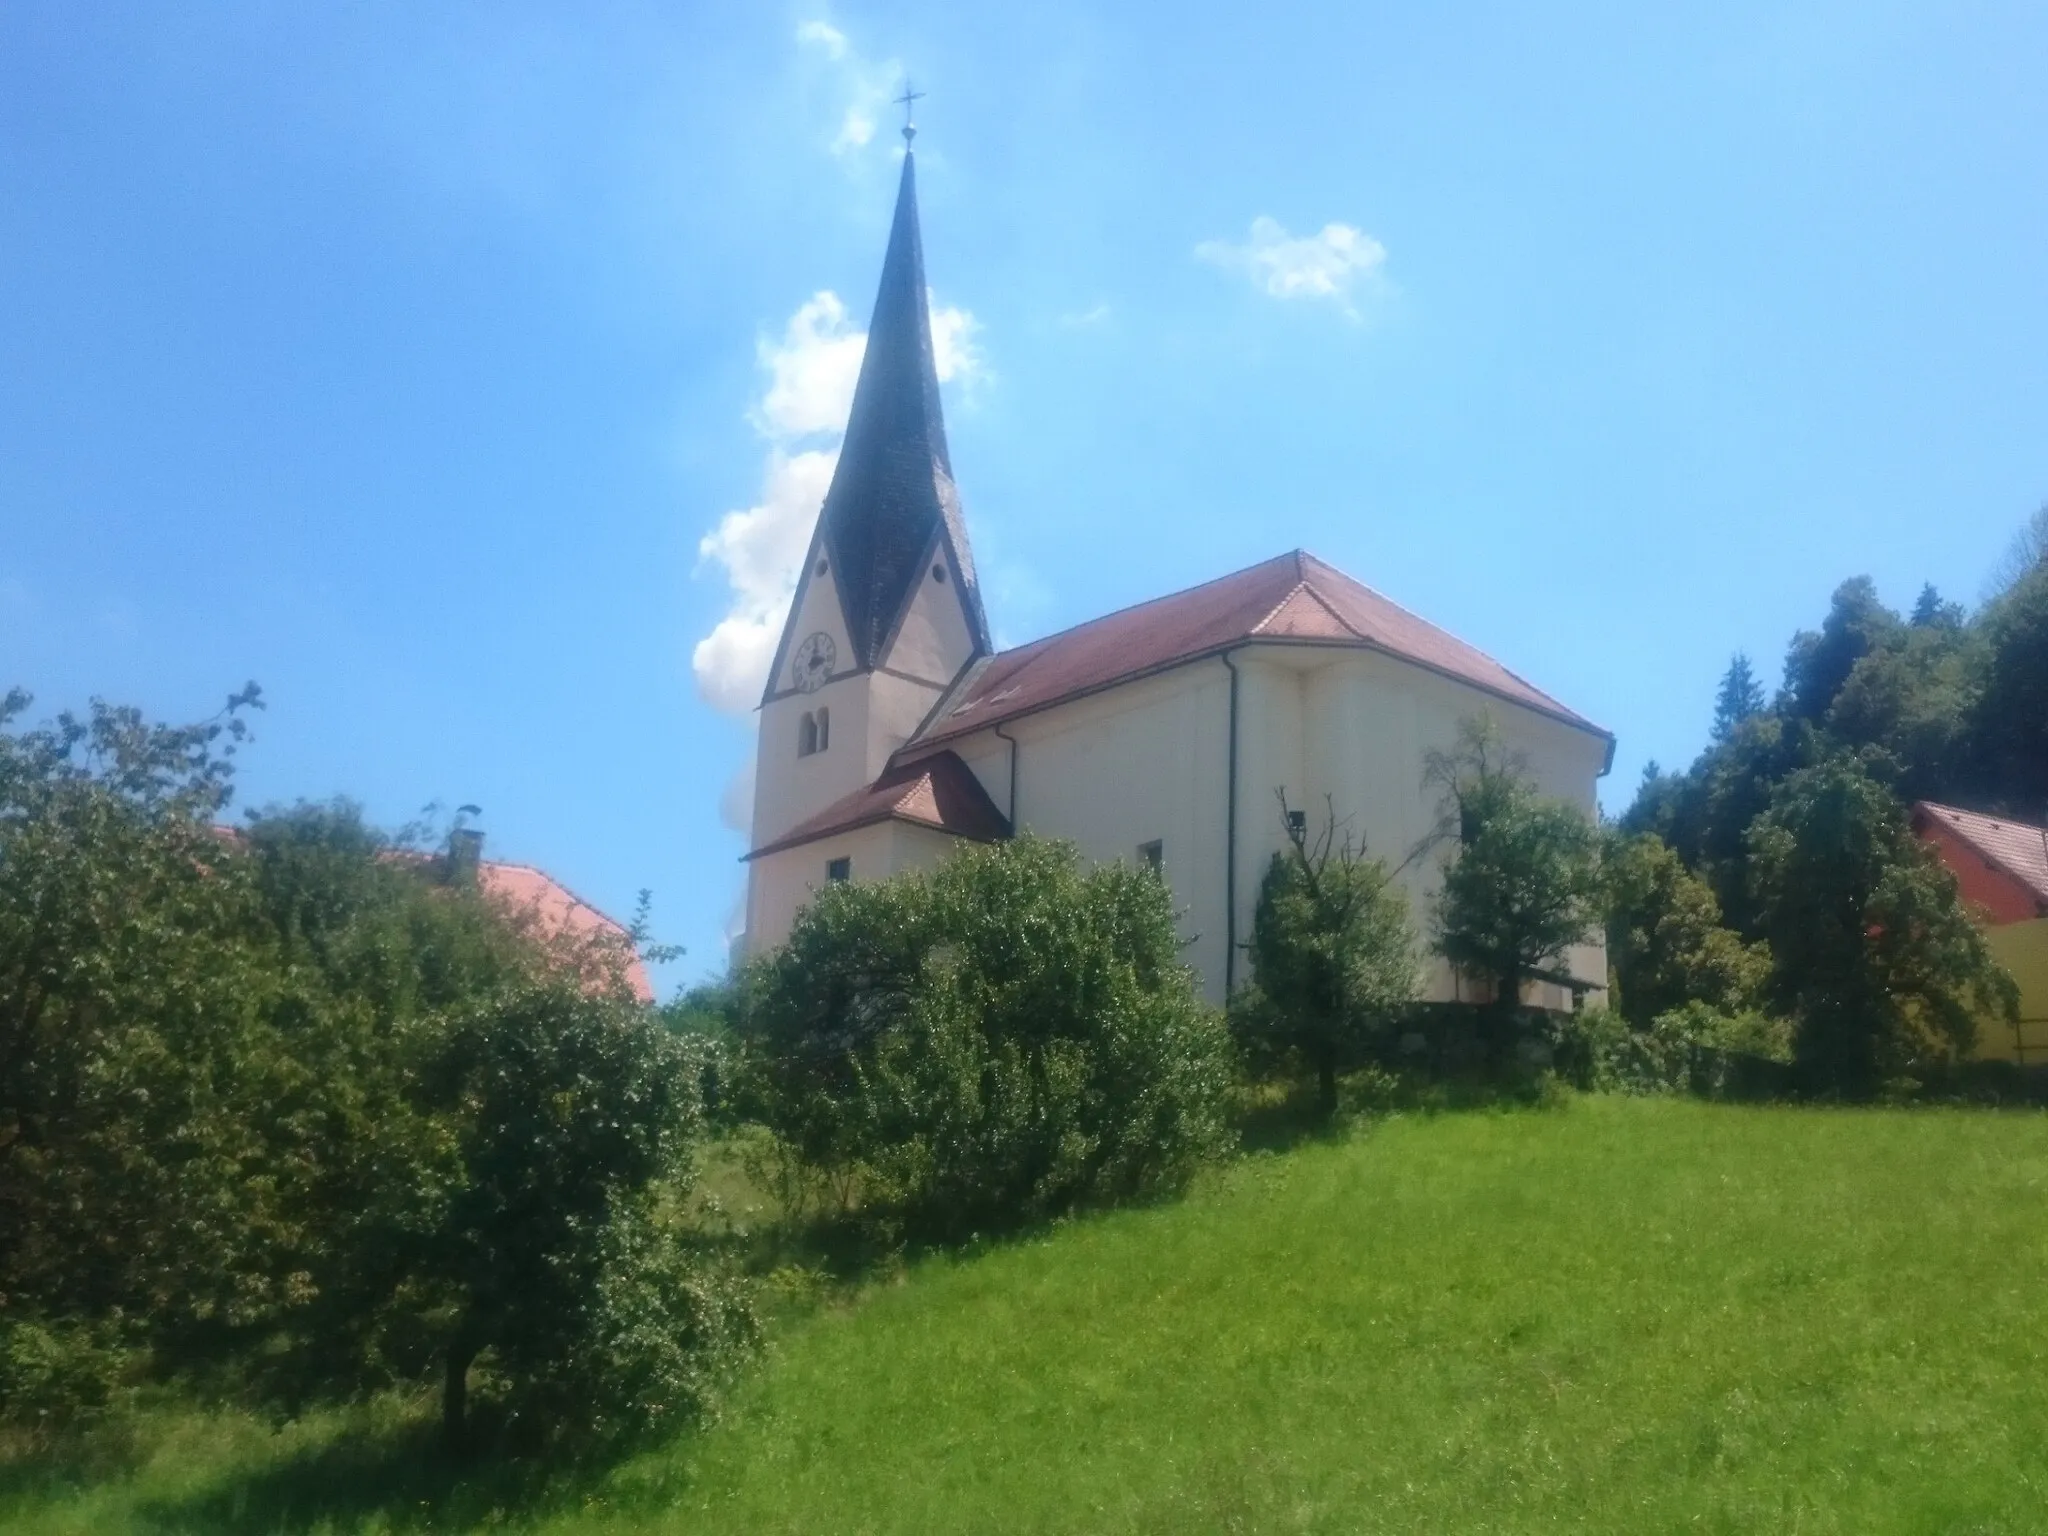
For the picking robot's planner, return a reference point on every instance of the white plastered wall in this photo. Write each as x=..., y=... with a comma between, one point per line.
x=933, y=641
x=1150, y=760
x=1367, y=725
x=1144, y=762
x=779, y=884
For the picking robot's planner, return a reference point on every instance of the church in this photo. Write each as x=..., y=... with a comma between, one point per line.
x=1163, y=734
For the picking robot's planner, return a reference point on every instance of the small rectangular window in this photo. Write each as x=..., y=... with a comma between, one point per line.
x=1297, y=825
x=1152, y=856
x=839, y=869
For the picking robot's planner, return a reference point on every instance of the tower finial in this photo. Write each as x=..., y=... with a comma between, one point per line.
x=904, y=101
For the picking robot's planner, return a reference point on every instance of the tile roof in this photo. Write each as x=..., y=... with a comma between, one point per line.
x=938, y=791
x=1294, y=597
x=557, y=910
x=2016, y=847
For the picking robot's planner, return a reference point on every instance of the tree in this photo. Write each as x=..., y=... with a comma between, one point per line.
x=2027, y=552
x=137, y=1071
x=1931, y=612
x=575, y=1115
x=1522, y=884
x=1741, y=698
x=281, y=1106
x=1333, y=955
x=1816, y=665
x=2009, y=721
x=1873, y=957
x=1914, y=694
x=1666, y=946
x=998, y=1040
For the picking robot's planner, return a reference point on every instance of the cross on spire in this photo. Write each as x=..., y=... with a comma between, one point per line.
x=905, y=101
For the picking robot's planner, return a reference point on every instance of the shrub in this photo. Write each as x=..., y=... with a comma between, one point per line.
x=1000, y=1040
x=1693, y=1049
x=1666, y=945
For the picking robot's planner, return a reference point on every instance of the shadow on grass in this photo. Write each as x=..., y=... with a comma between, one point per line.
x=393, y=1480
x=1278, y=1117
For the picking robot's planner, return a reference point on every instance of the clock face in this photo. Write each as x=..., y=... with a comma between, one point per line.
x=813, y=664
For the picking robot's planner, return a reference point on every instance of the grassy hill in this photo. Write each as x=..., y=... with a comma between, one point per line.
x=1625, y=1316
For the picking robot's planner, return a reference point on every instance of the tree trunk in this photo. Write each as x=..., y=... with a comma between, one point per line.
x=1326, y=1085
x=455, y=1396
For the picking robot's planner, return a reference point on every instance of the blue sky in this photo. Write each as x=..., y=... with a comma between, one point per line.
x=405, y=357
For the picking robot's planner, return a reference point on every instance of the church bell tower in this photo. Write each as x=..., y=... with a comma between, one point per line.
x=887, y=612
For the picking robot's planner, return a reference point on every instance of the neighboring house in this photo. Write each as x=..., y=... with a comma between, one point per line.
x=1162, y=734
x=523, y=892
x=555, y=909
x=2002, y=867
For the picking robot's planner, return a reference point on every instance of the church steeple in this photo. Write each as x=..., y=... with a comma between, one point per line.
x=892, y=507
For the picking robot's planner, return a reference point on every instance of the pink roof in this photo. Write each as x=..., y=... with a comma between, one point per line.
x=558, y=911
x=938, y=791
x=2017, y=848
x=1293, y=598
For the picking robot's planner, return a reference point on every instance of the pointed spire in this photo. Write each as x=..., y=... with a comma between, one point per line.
x=892, y=495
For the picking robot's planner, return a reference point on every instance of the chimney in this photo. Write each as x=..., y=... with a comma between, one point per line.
x=465, y=853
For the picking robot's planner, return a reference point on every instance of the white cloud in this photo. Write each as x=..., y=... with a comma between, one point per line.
x=1325, y=265
x=863, y=85
x=736, y=802
x=824, y=35
x=811, y=371
x=1084, y=319
x=955, y=352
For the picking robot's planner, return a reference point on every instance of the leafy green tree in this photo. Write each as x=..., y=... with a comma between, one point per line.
x=1333, y=955
x=1873, y=956
x=1666, y=946
x=285, y=1108
x=574, y=1115
x=2027, y=552
x=1914, y=695
x=1817, y=665
x=1741, y=698
x=1000, y=1039
x=136, y=1068
x=2009, y=721
x=1930, y=611
x=1522, y=884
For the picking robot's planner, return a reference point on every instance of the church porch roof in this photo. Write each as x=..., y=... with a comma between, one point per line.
x=938, y=791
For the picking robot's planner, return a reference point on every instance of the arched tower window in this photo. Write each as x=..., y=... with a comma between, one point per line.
x=807, y=735
x=824, y=728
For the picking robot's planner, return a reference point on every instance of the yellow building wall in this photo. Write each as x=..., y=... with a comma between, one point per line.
x=2022, y=948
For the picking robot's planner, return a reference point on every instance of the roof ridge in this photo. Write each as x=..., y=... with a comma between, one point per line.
x=1322, y=602
x=1420, y=619
x=1144, y=602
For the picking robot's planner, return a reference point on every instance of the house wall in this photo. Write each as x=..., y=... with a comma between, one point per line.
x=1983, y=884
x=2022, y=948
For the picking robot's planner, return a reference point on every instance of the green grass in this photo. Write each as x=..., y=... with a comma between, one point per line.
x=1627, y=1316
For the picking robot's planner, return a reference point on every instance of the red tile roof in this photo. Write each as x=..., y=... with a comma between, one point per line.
x=557, y=910
x=938, y=791
x=2017, y=848
x=1295, y=597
